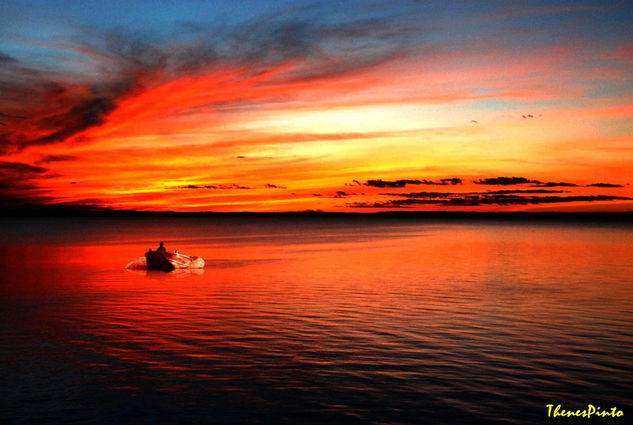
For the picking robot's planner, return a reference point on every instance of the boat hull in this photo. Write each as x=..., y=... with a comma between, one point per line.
x=168, y=261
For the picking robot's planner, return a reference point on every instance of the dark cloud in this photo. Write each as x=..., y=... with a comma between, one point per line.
x=475, y=200
x=387, y=183
x=330, y=48
x=56, y=158
x=505, y=181
x=214, y=186
x=387, y=204
x=18, y=184
x=41, y=107
x=4, y=58
x=2, y=114
x=451, y=181
x=81, y=116
x=604, y=185
x=528, y=116
x=341, y=194
x=274, y=186
x=20, y=170
x=498, y=194
x=428, y=195
x=404, y=182
x=498, y=197
x=506, y=192
x=554, y=184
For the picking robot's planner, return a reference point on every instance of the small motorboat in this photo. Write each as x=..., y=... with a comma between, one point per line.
x=168, y=261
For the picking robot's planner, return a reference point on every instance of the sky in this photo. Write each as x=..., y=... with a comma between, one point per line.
x=350, y=106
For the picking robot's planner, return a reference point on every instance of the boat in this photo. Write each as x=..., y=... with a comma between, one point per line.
x=168, y=261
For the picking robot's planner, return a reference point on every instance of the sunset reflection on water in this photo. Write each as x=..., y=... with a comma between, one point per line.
x=314, y=321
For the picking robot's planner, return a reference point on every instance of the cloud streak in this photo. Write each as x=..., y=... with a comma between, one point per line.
x=42, y=107
x=604, y=185
x=55, y=158
x=18, y=184
x=505, y=181
x=476, y=201
x=232, y=186
x=402, y=183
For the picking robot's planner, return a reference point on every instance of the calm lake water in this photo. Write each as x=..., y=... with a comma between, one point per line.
x=312, y=321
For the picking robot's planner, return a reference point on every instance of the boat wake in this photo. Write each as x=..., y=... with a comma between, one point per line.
x=139, y=264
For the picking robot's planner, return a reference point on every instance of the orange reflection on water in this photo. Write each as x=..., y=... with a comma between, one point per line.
x=351, y=280
x=404, y=311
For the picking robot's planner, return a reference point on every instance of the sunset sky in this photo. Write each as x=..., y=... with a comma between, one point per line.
x=352, y=106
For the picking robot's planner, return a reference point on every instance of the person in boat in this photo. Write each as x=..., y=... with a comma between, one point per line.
x=161, y=247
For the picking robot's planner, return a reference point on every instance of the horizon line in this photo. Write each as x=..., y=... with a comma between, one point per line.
x=73, y=212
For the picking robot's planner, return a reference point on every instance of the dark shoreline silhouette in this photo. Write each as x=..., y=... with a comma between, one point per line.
x=73, y=212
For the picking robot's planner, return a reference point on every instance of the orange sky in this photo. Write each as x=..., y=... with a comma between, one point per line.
x=311, y=130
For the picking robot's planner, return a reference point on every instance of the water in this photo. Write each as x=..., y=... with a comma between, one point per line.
x=314, y=321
